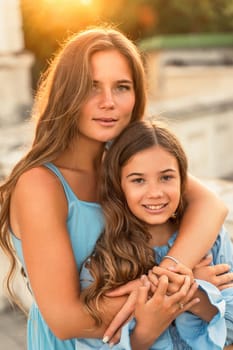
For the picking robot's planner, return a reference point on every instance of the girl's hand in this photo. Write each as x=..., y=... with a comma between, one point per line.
x=154, y=314
x=218, y=275
x=176, y=275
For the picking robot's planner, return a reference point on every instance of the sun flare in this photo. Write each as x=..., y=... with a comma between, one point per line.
x=69, y=3
x=86, y=2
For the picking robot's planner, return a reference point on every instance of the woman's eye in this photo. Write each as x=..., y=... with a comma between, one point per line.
x=123, y=87
x=94, y=87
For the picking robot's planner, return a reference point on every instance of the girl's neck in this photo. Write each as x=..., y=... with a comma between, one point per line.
x=160, y=234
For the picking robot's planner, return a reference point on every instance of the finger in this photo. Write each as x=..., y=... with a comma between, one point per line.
x=190, y=294
x=182, y=292
x=162, y=287
x=224, y=279
x=220, y=268
x=158, y=270
x=182, y=270
x=153, y=278
x=142, y=295
x=225, y=286
x=125, y=289
x=116, y=338
x=121, y=317
x=189, y=305
x=205, y=261
x=172, y=276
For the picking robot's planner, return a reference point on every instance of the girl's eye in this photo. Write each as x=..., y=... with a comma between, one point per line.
x=166, y=177
x=138, y=180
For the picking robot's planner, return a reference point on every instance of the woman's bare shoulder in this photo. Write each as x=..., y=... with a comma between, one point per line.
x=41, y=184
x=39, y=176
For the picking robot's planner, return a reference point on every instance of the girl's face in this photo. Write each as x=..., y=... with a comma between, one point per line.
x=110, y=104
x=151, y=183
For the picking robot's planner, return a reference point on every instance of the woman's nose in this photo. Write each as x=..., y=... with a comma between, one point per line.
x=106, y=100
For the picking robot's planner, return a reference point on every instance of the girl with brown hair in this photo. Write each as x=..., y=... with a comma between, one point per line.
x=143, y=200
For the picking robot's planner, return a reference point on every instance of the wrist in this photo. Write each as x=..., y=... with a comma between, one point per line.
x=140, y=339
x=204, y=309
x=168, y=261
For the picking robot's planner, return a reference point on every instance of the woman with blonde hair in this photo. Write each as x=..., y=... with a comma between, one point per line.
x=50, y=213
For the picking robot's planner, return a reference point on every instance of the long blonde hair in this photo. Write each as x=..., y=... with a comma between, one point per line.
x=122, y=252
x=62, y=91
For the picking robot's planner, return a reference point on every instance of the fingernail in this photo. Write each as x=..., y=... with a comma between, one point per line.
x=111, y=345
x=105, y=339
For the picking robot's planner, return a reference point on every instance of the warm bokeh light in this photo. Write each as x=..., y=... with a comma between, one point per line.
x=86, y=2
x=69, y=2
x=72, y=5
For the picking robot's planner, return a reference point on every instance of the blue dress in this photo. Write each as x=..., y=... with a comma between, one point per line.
x=84, y=224
x=188, y=331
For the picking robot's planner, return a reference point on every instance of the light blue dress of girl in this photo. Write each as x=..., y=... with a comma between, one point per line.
x=84, y=224
x=188, y=332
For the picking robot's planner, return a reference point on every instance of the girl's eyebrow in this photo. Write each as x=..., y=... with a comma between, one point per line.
x=166, y=170
x=134, y=174
x=162, y=172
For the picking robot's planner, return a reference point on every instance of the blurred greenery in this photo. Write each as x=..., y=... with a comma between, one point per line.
x=187, y=41
x=48, y=22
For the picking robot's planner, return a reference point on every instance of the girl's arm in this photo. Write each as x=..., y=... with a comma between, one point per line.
x=154, y=314
x=201, y=223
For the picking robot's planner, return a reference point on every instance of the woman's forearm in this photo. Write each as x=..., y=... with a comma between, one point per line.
x=80, y=323
x=202, y=220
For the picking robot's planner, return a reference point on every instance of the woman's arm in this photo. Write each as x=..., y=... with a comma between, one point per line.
x=201, y=223
x=38, y=216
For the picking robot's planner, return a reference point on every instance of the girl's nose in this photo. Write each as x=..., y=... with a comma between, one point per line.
x=154, y=191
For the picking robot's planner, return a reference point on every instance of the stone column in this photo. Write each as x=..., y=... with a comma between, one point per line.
x=15, y=65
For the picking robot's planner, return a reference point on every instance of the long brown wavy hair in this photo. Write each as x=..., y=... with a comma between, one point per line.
x=122, y=252
x=62, y=91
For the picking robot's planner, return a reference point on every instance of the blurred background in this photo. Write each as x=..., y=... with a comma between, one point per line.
x=188, y=51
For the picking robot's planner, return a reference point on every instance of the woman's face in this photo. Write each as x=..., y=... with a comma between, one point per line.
x=111, y=101
x=150, y=181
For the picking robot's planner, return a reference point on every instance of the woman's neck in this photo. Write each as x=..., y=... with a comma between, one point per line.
x=81, y=157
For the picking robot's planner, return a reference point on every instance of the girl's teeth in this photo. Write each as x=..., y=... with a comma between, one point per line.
x=154, y=207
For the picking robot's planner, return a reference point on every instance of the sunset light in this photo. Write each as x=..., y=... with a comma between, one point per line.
x=70, y=4
x=86, y=2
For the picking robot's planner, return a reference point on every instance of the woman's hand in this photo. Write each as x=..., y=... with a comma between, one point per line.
x=113, y=332
x=218, y=275
x=125, y=289
x=154, y=314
